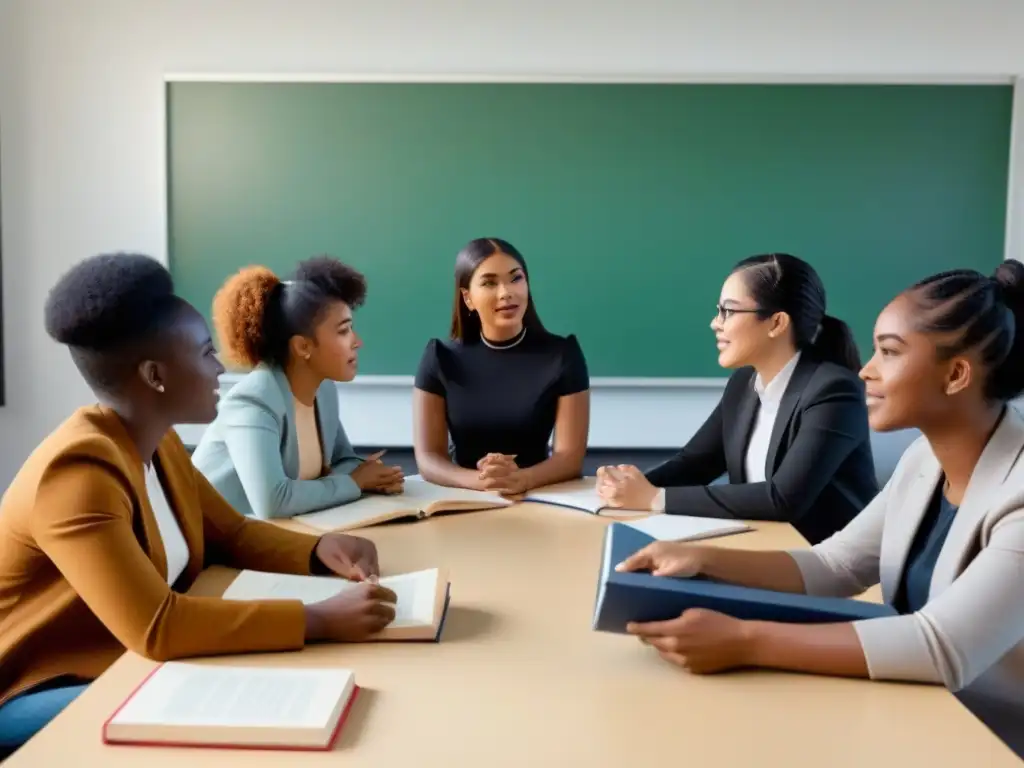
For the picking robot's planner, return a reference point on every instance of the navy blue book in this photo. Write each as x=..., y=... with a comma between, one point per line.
x=640, y=597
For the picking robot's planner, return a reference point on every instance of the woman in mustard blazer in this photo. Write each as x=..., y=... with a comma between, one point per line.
x=107, y=524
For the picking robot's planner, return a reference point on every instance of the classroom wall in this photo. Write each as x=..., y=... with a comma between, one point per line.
x=82, y=134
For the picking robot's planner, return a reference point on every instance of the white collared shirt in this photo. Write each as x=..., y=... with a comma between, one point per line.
x=756, y=458
x=175, y=545
x=761, y=435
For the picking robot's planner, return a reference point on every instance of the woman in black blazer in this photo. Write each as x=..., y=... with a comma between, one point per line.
x=791, y=430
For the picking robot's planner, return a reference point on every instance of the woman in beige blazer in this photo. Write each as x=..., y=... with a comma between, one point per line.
x=108, y=524
x=944, y=537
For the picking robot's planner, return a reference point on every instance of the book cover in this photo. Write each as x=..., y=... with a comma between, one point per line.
x=641, y=597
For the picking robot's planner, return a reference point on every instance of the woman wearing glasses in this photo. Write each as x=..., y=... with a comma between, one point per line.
x=791, y=430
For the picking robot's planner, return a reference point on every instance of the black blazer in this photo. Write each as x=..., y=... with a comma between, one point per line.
x=820, y=471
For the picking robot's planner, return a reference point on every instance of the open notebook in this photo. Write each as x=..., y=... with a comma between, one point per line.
x=204, y=705
x=581, y=494
x=419, y=613
x=419, y=499
x=684, y=528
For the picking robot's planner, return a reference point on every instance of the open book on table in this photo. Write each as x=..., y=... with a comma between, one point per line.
x=205, y=705
x=582, y=494
x=418, y=499
x=419, y=613
x=641, y=596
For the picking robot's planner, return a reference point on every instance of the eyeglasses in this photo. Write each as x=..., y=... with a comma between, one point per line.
x=724, y=313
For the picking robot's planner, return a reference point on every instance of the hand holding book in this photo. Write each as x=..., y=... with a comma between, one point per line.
x=700, y=640
x=665, y=558
x=407, y=606
x=710, y=609
x=352, y=615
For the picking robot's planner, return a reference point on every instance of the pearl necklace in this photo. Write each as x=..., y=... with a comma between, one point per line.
x=504, y=345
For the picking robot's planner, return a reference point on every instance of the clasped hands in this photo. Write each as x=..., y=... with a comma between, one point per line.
x=700, y=640
x=499, y=473
x=624, y=487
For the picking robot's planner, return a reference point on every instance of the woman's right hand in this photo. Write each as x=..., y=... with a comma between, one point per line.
x=352, y=615
x=667, y=558
x=374, y=475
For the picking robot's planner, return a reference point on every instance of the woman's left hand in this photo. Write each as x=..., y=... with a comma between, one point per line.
x=700, y=640
x=625, y=487
x=351, y=557
x=515, y=483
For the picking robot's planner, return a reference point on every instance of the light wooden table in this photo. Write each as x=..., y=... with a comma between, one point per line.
x=519, y=679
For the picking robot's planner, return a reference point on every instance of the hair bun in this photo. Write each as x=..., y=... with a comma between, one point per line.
x=1009, y=276
x=239, y=310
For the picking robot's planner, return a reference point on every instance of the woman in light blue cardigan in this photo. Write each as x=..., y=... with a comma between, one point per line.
x=277, y=447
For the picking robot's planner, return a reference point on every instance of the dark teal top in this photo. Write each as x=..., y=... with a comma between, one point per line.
x=924, y=552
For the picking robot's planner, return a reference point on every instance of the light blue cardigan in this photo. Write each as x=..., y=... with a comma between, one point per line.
x=250, y=452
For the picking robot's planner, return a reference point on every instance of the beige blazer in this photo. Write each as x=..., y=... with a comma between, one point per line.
x=970, y=634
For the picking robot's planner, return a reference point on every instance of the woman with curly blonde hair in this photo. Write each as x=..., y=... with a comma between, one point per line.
x=277, y=447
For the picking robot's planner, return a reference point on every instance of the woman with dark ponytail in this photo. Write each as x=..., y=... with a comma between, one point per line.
x=791, y=431
x=277, y=447
x=944, y=538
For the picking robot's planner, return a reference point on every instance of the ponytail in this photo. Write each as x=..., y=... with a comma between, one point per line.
x=240, y=316
x=835, y=344
x=781, y=282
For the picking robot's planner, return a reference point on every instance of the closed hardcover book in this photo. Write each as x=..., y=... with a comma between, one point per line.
x=640, y=597
x=183, y=704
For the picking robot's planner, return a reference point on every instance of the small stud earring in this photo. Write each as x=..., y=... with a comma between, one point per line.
x=306, y=356
x=159, y=387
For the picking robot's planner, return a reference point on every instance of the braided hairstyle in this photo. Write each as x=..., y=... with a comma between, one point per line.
x=971, y=311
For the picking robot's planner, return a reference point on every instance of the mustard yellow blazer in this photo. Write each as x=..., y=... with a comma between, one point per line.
x=83, y=573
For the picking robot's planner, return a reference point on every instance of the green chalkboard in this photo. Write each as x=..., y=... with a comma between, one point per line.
x=629, y=201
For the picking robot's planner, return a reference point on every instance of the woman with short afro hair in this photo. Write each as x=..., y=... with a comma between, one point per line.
x=107, y=524
x=277, y=447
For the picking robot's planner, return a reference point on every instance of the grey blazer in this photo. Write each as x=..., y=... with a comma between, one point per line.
x=250, y=452
x=970, y=634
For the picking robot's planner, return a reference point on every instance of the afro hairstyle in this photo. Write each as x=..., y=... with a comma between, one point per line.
x=105, y=307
